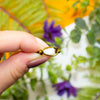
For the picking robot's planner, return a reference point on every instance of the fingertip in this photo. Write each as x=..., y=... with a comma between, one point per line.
x=32, y=44
x=17, y=40
x=42, y=44
x=29, y=44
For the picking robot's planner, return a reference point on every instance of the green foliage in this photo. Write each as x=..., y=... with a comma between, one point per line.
x=16, y=92
x=58, y=41
x=91, y=38
x=55, y=71
x=93, y=33
x=75, y=35
x=38, y=97
x=96, y=13
x=78, y=60
x=95, y=28
x=33, y=83
x=81, y=23
x=88, y=93
x=68, y=68
x=42, y=81
x=29, y=15
x=46, y=98
x=52, y=76
x=26, y=15
x=93, y=51
x=74, y=5
x=43, y=87
x=83, y=5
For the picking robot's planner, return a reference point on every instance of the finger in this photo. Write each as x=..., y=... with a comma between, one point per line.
x=14, y=40
x=16, y=66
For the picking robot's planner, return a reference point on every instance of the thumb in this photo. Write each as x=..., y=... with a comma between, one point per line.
x=16, y=66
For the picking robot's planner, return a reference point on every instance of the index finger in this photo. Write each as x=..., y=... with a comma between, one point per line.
x=11, y=41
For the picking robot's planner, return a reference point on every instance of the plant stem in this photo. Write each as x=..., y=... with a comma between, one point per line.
x=45, y=6
x=41, y=69
x=97, y=96
x=42, y=82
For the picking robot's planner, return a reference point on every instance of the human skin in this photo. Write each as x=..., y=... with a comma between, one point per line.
x=18, y=64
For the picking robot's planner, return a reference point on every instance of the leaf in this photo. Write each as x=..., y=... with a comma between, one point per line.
x=31, y=74
x=68, y=68
x=78, y=60
x=91, y=38
x=75, y=35
x=98, y=40
x=19, y=90
x=97, y=14
x=84, y=4
x=33, y=83
x=91, y=15
x=52, y=77
x=28, y=14
x=88, y=93
x=93, y=51
x=43, y=86
x=46, y=98
x=76, y=3
x=81, y=23
x=92, y=61
x=96, y=29
x=38, y=97
x=58, y=41
x=6, y=94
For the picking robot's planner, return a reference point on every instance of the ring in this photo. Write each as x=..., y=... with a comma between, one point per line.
x=49, y=51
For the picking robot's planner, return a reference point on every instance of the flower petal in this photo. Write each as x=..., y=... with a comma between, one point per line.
x=60, y=93
x=73, y=91
x=60, y=86
x=67, y=85
x=45, y=26
x=48, y=38
x=51, y=32
x=58, y=34
x=51, y=25
x=51, y=40
x=56, y=29
x=68, y=93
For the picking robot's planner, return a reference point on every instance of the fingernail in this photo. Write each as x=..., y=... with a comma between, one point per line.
x=37, y=62
x=42, y=43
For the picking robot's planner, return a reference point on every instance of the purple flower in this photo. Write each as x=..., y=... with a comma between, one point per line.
x=65, y=87
x=50, y=32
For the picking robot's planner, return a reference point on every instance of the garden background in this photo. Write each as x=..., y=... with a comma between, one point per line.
x=32, y=16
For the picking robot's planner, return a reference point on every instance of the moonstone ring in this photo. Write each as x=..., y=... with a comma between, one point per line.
x=49, y=51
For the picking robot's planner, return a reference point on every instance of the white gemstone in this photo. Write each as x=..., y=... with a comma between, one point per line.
x=49, y=51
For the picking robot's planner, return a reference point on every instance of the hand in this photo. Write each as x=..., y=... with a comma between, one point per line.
x=18, y=64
